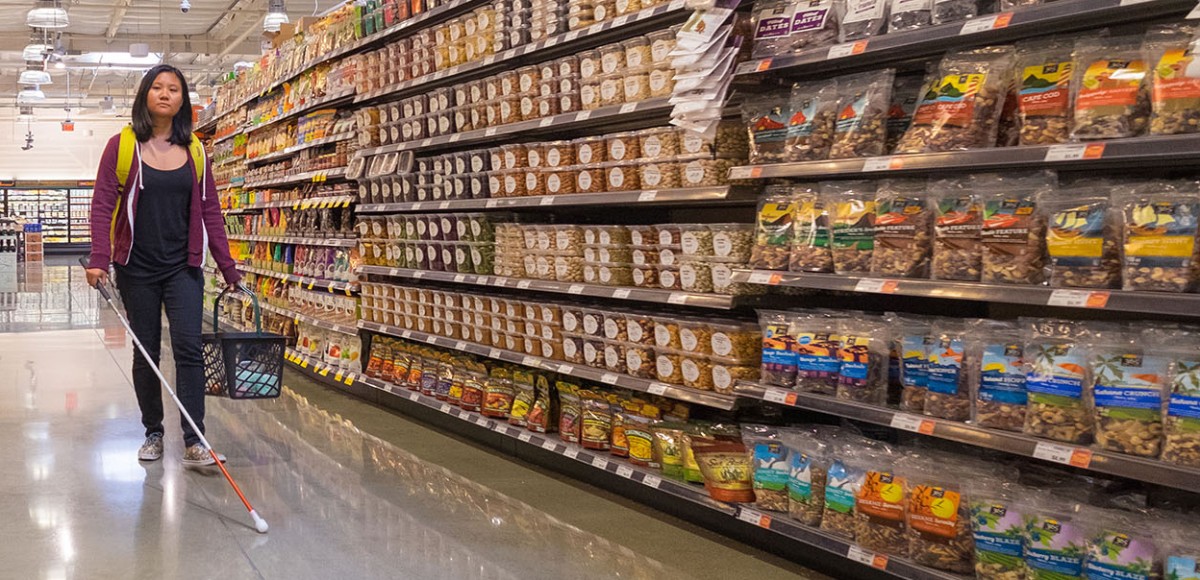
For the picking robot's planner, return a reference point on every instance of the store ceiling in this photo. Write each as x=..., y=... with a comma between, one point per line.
x=204, y=42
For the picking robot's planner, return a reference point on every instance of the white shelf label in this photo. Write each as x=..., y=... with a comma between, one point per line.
x=738, y=173
x=491, y=203
x=877, y=286
x=1064, y=454
x=628, y=108
x=608, y=379
x=546, y=200
x=566, y=369
x=494, y=353
x=549, y=445
x=753, y=517
x=482, y=422
x=880, y=164
x=523, y=284
x=571, y=452
x=1078, y=298
x=847, y=49
x=525, y=436
x=625, y=471
x=621, y=20
x=455, y=137
x=459, y=278
x=406, y=334
x=647, y=196
x=621, y=293
x=575, y=289
x=583, y=116
x=546, y=122
x=444, y=205
x=414, y=396
x=1077, y=152
x=781, y=396
x=490, y=131
x=500, y=428
x=983, y=24
x=764, y=278
x=445, y=408
x=530, y=361
x=599, y=463
x=418, y=204
x=913, y=423
x=867, y=557
x=571, y=36
x=460, y=345
x=657, y=388
x=652, y=481
x=677, y=298
x=419, y=274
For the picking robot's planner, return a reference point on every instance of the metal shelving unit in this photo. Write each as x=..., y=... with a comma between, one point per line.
x=329, y=242
x=305, y=282
x=331, y=100
x=706, y=196
x=706, y=398
x=316, y=176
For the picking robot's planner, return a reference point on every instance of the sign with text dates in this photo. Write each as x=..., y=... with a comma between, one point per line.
x=913, y=423
x=1064, y=454
x=867, y=557
x=1078, y=298
x=1075, y=152
x=752, y=517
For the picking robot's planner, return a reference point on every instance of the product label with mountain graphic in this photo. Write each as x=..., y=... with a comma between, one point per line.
x=1046, y=90
x=800, y=478
x=1002, y=378
x=812, y=224
x=999, y=530
x=851, y=115
x=1008, y=220
x=770, y=129
x=801, y=124
x=1110, y=83
x=1076, y=235
x=1128, y=385
x=1174, y=89
x=1121, y=555
x=950, y=102
x=959, y=217
x=945, y=365
x=1160, y=234
x=899, y=217
x=1054, y=549
x=854, y=225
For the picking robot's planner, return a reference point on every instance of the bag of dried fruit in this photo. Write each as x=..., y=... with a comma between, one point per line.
x=1160, y=224
x=903, y=229
x=962, y=107
x=1110, y=93
x=998, y=376
x=1128, y=373
x=1125, y=545
x=1056, y=371
x=1045, y=69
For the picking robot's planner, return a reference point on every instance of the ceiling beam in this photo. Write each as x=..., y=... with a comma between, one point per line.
x=118, y=15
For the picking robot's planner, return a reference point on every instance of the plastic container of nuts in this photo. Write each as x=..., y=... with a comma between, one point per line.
x=704, y=172
x=637, y=50
x=619, y=253
x=568, y=268
x=591, y=150
x=697, y=372
x=643, y=235
x=535, y=182
x=640, y=361
x=589, y=64
x=622, y=176
x=726, y=372
x=737, y=340
x=590, y=178
x=696, y=239
x=644, y=255
x=668, y=277
x=645, y=276
x=695, y=335
x=514, y=156
x=661, y=81
x=606, y=235
x=559, y=153
x=622, y=146
x=561, y=181
x=668, y=365
x=614, y=274
x=612, y=89
x=636, y=84
x=658, y=143
x=612, y=58
x=695, y=276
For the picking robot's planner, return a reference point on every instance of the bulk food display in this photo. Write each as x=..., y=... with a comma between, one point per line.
x=420, y=141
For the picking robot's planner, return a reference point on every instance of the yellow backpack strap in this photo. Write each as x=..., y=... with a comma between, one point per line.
x=125, y=155
x=196, y=148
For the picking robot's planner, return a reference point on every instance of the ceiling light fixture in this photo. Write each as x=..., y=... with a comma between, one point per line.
x=276, y=16
x=48, y=15
x=139, y=50
x=34, y=77
x=35, y=52
x=30, y=95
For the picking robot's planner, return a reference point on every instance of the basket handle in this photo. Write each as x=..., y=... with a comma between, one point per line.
x=253, y=300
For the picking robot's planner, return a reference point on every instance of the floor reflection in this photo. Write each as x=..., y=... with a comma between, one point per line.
x=50, y=296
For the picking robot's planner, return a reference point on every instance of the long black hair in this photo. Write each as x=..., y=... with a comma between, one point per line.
x=143, y=123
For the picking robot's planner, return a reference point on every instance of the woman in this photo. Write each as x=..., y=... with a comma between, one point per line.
x=153, y=212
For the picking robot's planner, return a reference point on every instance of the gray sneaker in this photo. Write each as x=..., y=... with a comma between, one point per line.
x=152, y=449
x=198, y=456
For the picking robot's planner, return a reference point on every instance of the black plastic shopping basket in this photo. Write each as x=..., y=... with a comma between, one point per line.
x=243, y=365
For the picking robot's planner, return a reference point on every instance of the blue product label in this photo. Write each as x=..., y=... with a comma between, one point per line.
x=818, y=363
x=1002, y=375
x=770, y=465
x=914, y=363
x=1182, y=568
x=1102, y=571
x=854, y=370
x=1181, y=406
x=1127, y=398
x=779, y=358
x=1057, y=370
x=800, y=477
x=851, y=115
x=841, y=488
x=1060, y=386
x=1041, y=562
x=443, y=386
x=945, y=364
x=1003, y=544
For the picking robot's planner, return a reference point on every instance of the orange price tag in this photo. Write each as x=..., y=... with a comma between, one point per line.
x=763, y=65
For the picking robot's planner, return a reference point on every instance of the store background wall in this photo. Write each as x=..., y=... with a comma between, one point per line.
x=55, y=154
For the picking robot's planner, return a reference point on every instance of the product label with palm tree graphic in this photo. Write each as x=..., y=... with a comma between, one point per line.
x=1117, y=555
x=1183, y=568
x=1054, y=549
x=1185, y=393
x=1056, y=372
x=1128, y=385
x=1002, y=379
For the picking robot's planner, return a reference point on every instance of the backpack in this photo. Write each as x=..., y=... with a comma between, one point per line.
x=125, y=152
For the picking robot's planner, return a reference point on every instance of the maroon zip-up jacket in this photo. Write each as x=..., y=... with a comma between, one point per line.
x=112, y=223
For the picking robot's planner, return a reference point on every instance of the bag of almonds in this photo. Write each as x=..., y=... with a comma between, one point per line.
x=998, y=376
x=961, y=108
x=811, y=126
x=958, y=229
x=1044, y=70
x=1082, y=236
x=862, y=112
x=1110, y=94
x=1159, y=231
x=851, y=207
x=1175, y=80
x=903, y=229
x=1128, y=373
x=810, y=243
x=1014, y=231
x=1181, y=428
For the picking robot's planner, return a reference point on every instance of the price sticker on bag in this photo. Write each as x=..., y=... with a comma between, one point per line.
x=867, y=557
x=1064, y=454
x=753, y=517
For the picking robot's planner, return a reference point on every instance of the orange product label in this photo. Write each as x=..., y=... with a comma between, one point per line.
x=951, y=102
x=934, y=510
x=882, y=496
x=1045, y=90
x=1171, y=81
x=1108, y=83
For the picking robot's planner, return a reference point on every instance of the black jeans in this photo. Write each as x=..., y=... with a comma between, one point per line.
x=182, y=296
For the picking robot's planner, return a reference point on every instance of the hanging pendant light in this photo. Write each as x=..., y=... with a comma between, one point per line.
x=276, y=16
x=35, y=52
x=30, y=95
x=35, y=77
x=48, y=15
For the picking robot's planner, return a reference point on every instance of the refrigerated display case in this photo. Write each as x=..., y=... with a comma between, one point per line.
x=80, y=227
x=62, y=213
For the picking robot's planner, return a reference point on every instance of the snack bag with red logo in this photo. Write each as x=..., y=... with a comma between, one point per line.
x=903, y=229
x=962, y=104
x=938, y=514
x=811, y=127
x=1014, y=231
x=1111, y=97
x=1044, y=72
x=1175, y=81
x=861, y=126
x=766, y=121
x=958, y=226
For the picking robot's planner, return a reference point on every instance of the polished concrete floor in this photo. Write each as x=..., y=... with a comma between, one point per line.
x=351, y=491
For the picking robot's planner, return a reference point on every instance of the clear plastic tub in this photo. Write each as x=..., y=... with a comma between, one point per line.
x=528, y=106
x=697, y=372
x=643, y=235
x=668, y=255
x=614, y=274
x=559, y=153
x=614, y=356
x=668, y=365
x=589, y=94
x=568, y=238
x=622, y=146
x=644, y=255
x=640, y=361
x=592, y=322
x=593, y=352
x=572, y=318
x=567, y=66
x=620, y=253
x=636, y=84
x=510, y=83
x=668, y=277
x=695, y=335
x=696, y=239
x=659, y=143
x=568, y=268
x=590, y=150
x=737, y=340
x=514, y=156
x=612, y=89
x=670, y=235
x=535, y=182
x=705, y=172
x=590, y=178
x=589, y=64
x=572, y=348
x=614, y=326
x=546, y=106
x=645, y=276
x=661, y=82
x=527, y=78
x=612, y=58
x=514, y=182
x=622, y=176
x=695, y=276
x=561, y=182
x=591, y=274
x=534, y=154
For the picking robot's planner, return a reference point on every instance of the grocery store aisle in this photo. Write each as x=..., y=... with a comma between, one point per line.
x=350, y=490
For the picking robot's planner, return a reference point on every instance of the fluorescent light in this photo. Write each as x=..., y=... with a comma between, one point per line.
x=34, y=77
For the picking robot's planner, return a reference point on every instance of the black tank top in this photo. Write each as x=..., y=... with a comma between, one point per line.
x=160, y=230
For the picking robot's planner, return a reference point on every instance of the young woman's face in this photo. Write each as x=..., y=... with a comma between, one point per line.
x=165, y=96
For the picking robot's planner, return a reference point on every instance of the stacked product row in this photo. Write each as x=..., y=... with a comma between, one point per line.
x=705, y=354
x=330, y=222
x=308, y=128
x=298, y=195
x=657, y=158
x=319, y=262
x=326, y=157
x=1129, y=389
x=1039, y=93
x=463, y=243
x=314, y=84
x=996, y=228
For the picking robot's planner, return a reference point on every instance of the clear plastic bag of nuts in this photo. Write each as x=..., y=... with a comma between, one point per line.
x=1159, y=233
x=863, y=103
x=862, y=19
x=813, y=121
x=1083, y=236
x=997, y=353
x=845, y=476
x=948, y=394
x=766, y=119
x=962, y=107
x=909, y=14
x=810, y=250
x=1175, y=98
x=938, y=516
x=1014, y=230
x=957, y=247
x=1127, y=375
x=1056, y=368
x=1045, y=69
x=880, y=506
x=1110, y=93
x=851, y=207
x=774, y=231
x=903, y=230
x=1181, y=428
x=863, y=354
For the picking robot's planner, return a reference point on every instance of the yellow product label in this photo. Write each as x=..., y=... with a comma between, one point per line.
x=1110, y=82
x=1161, y=246
x=1172, y=83
x=1075, y=247
x=641, y=446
